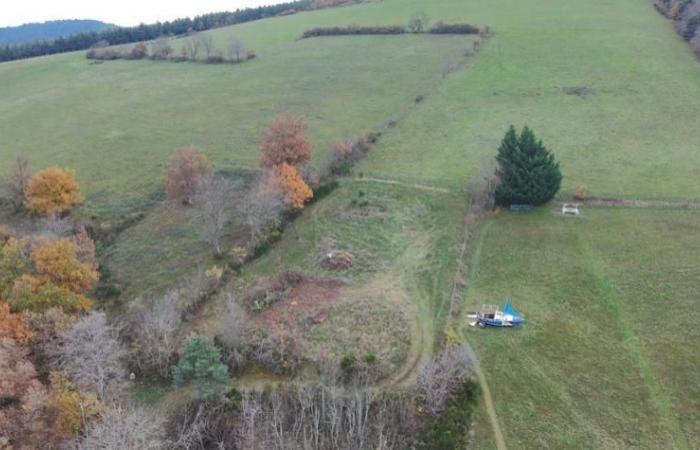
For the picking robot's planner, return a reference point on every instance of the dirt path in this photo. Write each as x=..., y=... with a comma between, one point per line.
x=651, y=204
x=459, y=294
x=423, y=187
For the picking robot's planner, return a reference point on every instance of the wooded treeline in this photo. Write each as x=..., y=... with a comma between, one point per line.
x=126, y=35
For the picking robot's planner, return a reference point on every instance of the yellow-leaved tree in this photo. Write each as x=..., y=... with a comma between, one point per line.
x=52, y=191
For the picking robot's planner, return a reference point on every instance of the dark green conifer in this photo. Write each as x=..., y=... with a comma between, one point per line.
x=527, y=171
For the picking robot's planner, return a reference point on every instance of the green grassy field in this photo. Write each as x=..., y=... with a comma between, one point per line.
x=117, y=123
x=608, y=357
x=634, y=135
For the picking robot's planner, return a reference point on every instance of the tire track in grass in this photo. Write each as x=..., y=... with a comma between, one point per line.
x=480, y=375
x=657, y=395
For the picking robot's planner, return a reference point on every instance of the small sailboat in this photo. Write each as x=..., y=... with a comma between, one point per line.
x=492, y=316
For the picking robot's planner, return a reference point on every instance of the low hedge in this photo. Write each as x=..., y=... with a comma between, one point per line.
x=353, y=30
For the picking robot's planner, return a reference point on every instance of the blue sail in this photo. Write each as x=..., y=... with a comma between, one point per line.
x=508, y=309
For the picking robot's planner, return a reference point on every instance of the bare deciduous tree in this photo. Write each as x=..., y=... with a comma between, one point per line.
x=442, y=378
x=206, y=42
x=236, y=49
x=123, y=428
x=155, y=329
x=263, y=208
x=53, y=227
x=212, y=198
x=90, y=354
x=161, y=48
x=15, y=182
x=191, y=46
x=483, y=189
x=418, y=22
x=231, y=330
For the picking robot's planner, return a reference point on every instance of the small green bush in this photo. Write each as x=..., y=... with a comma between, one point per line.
x=348, y=362
x=371, y=359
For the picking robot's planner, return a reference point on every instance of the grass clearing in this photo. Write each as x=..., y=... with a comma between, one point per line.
x=607, y=357
x=404, y=242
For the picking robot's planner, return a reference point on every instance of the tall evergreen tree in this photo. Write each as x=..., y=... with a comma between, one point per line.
x=527, y=171
x=201, y=363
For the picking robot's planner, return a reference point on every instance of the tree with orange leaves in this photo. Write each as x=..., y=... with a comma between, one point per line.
x=296, y=192
x=187, y=168
x=13, y=326
x=284, y=141
x=52, y=191
x=57, y=262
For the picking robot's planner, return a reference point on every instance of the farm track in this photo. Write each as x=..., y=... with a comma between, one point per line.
x=423, y=187
x=459, y=292
x=647, y=204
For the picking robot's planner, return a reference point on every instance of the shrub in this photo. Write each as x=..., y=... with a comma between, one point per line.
x=138, y=51
x=347, y=363
x=52, y=191
x=527, y=171
x=201, y=364
x=161, y=48
x=458, y=28
x=344, y=154
x=691, y=27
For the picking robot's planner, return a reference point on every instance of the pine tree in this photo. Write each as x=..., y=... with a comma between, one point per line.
x=527, y=171
x=202, y=364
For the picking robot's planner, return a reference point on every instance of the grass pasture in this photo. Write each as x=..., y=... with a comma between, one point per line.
x=608, y=357
x=404, y=243
x=605, y=84
x=116, y=123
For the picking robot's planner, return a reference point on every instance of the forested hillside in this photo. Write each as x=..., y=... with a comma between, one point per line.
x=49, y=30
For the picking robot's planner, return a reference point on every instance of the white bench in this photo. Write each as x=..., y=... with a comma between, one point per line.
x=569, y=209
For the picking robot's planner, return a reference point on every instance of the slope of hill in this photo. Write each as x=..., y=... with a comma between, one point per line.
x=607, y=85
x=49, y=30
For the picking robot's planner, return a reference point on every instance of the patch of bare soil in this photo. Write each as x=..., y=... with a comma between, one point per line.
x=300, y=306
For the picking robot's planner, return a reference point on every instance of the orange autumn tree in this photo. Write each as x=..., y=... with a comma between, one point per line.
x=52, y=191
x=296, y=191
x=284, y=141
x=187, y=168
x=284, y=148
x=13, y=326
x=57, y=262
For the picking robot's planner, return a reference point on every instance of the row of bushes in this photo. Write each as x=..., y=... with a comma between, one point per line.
x=141, y=51
x=438, y=28
x=353, y=30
